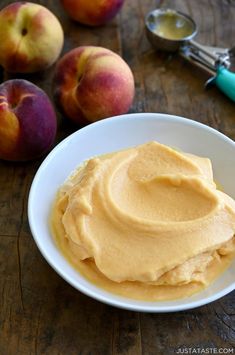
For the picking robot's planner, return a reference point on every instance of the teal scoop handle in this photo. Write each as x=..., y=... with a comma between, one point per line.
x=225, y=81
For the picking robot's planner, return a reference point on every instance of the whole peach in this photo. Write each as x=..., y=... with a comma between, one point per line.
x=95, y=12
x=27, y=121
x=92, y=83
x=31, y=37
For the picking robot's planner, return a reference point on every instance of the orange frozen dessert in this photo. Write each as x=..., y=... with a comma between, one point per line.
x=146, y=222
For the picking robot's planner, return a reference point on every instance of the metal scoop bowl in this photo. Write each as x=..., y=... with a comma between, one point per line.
x=169, y=29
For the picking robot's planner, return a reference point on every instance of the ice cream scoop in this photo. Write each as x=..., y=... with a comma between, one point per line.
x=171, y=30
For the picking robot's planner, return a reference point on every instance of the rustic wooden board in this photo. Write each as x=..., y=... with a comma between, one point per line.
x=39, y=312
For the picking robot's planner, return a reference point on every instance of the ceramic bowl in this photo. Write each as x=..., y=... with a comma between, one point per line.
x=111, y=135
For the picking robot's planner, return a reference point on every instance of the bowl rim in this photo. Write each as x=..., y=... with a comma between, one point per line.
x=108, y=297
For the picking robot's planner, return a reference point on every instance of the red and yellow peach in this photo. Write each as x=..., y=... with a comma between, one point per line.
x=92, y=83
x=93, y=13
x=27, y=121
x=31, y=37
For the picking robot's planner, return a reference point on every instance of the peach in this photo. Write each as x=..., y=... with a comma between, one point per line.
x=92, y=83
x=31, y=37
x=27, y=121
x=93, y=13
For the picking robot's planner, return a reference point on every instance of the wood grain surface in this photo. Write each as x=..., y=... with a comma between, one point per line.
x=39, y=312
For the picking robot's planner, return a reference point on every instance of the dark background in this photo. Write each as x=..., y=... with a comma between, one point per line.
x=39, y=312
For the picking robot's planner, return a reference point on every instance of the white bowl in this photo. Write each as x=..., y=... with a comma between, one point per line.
x=110, y=135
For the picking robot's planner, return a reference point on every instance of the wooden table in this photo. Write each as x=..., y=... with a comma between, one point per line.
x=39, y=312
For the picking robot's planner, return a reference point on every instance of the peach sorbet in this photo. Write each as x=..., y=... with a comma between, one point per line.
x=146, y=223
